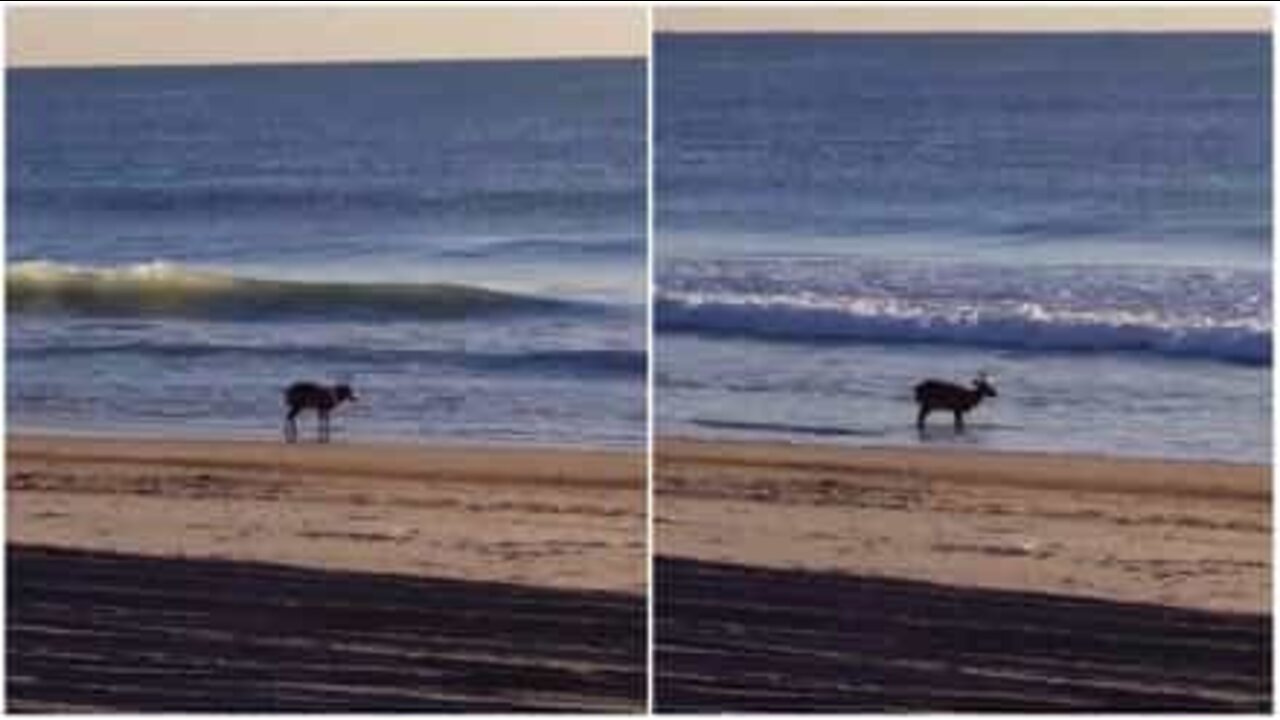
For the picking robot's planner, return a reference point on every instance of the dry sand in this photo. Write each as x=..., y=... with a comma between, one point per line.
x=234, y=576
x=825, y=578
x=555, y=518
x=1175, y=533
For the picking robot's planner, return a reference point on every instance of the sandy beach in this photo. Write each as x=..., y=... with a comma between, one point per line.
x=1075, y=549
x=114, y=530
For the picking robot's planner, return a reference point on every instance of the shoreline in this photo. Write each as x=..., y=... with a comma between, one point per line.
x=946, y=445
x=391, y=458
x=972, y=465
x=572, y=519
x=148, y=434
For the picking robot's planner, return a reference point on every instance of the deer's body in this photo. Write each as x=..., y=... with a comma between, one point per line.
x=942, y=395
x=321, y=398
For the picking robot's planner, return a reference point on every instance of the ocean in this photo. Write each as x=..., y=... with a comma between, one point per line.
x=1086, y=218
x=464, y=242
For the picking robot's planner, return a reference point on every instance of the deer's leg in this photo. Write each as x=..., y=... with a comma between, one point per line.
x=291, y=425
x=920, y=417
x=959, y=421
x=323, y=428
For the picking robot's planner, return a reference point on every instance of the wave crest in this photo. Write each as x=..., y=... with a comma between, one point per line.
x=1024, y=326
x=172, y=290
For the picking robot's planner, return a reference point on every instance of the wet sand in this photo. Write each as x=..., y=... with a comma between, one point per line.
x=266, y=577
x=805, y=578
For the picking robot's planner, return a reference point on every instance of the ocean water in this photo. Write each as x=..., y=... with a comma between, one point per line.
x=462, y=241
x=1086, y=218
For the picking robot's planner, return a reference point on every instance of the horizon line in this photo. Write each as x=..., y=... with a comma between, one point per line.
x=308, y=62
x=967, y=31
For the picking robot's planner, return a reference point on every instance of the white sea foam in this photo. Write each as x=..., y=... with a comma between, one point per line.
x=1191, y=313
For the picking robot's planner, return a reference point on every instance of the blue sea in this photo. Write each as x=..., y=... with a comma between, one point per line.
x=464, y=242
x=1087, y=218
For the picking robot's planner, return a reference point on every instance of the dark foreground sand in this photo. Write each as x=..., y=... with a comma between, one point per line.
x=824, y=578
x=93, y=631
x=750, y=639
x=251, y=576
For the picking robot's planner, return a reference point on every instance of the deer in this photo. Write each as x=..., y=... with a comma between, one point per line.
x=942, y=395
x=321, y=398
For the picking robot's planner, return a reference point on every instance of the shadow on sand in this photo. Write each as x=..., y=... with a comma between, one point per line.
x=92, y=630
x=735, y=638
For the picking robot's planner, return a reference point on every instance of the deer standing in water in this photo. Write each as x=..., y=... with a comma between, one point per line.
x=321, y=398
x=942, y=395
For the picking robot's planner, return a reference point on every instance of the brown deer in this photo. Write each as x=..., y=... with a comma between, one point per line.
x=942, y=395
x=321, y=398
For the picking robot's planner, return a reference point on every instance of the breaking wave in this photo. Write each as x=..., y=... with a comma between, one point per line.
x=160, y=289
x=1220, y=315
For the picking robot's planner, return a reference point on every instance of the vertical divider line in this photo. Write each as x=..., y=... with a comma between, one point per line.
x=650, y=618
x=4, y=331
x=1275, y=307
